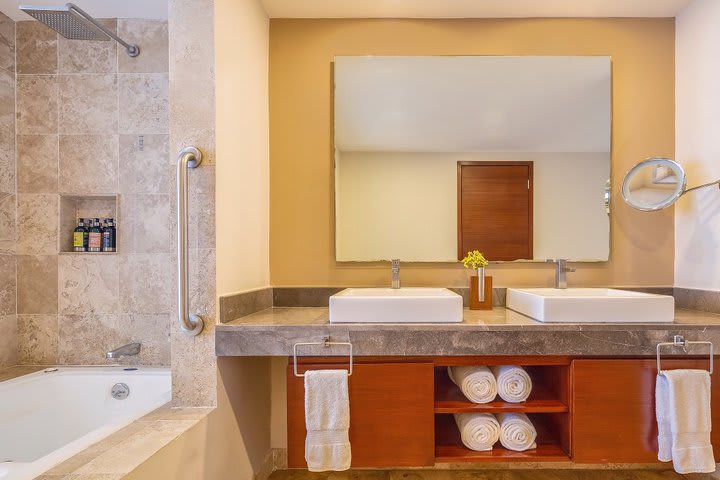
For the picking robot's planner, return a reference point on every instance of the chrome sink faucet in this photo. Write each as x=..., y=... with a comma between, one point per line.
x=561, y=271
x=129, y=350
x=395, y=270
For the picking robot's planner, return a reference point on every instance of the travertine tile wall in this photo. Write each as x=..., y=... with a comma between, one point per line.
x=91, y=120
x=192, y=122
x=8, y=285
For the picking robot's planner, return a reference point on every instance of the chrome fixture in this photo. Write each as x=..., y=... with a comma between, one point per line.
x=73, y=23
x=395, y=271
x=190, y=323
x=120, y=391
x=129, y=350
x=656, y=183
x=325, y=343
x=679, y=341
x=561, y=271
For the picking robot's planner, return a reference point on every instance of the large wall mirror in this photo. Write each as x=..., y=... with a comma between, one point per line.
x=437, y=156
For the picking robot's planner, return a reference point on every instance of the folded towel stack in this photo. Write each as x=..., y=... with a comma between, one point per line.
x=327, y=420
x=513, y=383
x=682, y=407
x=478, y=431
x=517, y=432
x=477, y=383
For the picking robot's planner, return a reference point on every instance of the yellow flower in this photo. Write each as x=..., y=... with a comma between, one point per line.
x=474, y=260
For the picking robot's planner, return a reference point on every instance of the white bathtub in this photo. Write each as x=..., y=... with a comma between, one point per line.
x=47, y=417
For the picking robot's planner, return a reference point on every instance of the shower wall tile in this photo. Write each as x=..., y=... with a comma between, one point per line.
x=37, y=224
x=144, y=106
x=36, y=48
x=37, y=163
x=7, y=225
x=8, y=285
x=202, y=283
x=192, y=122
x=80, y=56
x=37, y=284
x=7, y=43
x=147, y=283
x=88, y=164
x=84, y=339
x=37, y=104
x=87, y=284
x=7, y=131
x=201, y=211
x=148, y=223
x=152, y=331
x=8, y=341
x=88, y=104
x=148, y=170
x=37, y=339
x=152, y=37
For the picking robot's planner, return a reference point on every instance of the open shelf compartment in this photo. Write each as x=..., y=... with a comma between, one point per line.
x=450, y=449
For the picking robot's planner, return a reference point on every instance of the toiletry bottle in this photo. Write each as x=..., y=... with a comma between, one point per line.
x=108, y=238
x=86, y=233
x=113, y=239
x=80, y=237
x=95, y=237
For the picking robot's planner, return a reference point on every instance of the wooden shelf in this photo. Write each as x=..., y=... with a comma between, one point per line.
x=450, y=399
x=450, y=449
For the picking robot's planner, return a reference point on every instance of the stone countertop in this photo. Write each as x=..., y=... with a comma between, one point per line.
x=274, y=331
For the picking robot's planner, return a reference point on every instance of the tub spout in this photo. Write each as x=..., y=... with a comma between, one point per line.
x=129, y=350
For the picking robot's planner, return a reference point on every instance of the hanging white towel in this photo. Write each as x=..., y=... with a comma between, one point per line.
x=517, y=432
x=682, y=408
x=513, y=383
x=327, y=419
x=477, y=383
x=478, y=431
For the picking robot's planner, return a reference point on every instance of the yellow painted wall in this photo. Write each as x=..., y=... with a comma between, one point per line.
x=301, y=138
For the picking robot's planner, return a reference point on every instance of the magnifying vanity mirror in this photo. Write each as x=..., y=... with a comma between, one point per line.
x=656, y=183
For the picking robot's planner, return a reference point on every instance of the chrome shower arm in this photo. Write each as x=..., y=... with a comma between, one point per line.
x=131, y=49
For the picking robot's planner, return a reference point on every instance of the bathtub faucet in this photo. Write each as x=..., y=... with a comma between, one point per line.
x=129, y=350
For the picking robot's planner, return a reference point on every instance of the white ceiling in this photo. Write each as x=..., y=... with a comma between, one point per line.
x=472, y=104
x=471, y=8
x=151, y=9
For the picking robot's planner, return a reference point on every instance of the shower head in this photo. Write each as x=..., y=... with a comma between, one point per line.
x=75, y=24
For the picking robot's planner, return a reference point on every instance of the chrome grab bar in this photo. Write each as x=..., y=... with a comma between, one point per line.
x=190, y=324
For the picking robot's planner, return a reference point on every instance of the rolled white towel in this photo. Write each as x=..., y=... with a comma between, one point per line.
x=478, y=431
x=516, y=431
x=477, y=383
x=513, y=383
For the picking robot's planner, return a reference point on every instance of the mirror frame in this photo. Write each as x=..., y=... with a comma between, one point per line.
x=679, y=192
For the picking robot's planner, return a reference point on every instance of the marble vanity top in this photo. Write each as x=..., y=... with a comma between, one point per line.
x=499, y=331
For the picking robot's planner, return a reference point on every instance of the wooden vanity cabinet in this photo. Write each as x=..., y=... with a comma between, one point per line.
x=614, y=409
x=391, y=414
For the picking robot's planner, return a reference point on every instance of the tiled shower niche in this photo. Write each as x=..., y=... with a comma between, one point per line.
x=73, y=207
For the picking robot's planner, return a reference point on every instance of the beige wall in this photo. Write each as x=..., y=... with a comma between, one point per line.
x=301, y=148
x=233, y=442
x=243, y=185
x=697, y=215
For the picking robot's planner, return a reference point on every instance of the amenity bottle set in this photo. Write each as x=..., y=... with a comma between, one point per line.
x=480, y=431
x=92, y=236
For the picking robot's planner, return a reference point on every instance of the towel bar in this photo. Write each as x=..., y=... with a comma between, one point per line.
x=679, y=341
x=324, y=343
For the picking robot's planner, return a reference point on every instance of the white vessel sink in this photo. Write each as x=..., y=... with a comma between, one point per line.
x=591, y=305
x=401, y=305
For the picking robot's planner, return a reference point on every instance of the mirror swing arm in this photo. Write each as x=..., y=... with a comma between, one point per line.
x=673, y=174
